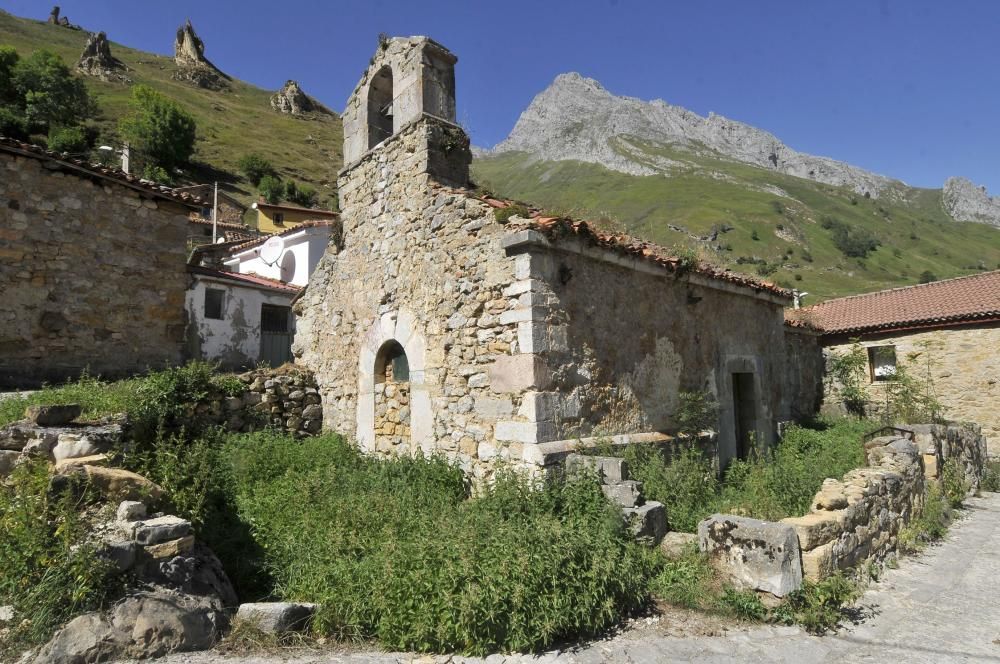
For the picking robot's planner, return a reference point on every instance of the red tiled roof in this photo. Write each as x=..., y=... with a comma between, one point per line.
x=309, y=223
x=557, y=227
x=103, y=172
x=944, y=303
x=245, y=279
x=222, y=224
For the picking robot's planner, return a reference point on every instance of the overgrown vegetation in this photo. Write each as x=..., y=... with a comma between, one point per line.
x=991, y=477
x=771, y=484
x=48, y=573
x=504, y=214
x=160, y=131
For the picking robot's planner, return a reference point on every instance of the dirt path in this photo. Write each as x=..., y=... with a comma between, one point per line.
x=941, y=606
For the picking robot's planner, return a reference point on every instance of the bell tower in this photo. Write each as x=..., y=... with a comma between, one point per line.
x=408, y=88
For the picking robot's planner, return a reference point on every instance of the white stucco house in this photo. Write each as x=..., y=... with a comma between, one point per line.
x=239, y=304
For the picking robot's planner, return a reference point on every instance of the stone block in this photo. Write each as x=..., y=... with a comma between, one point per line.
x=831, y=496
x=517, y=373
x=648, y=522
x=120, y=553
x=160, y=529
x=818, y=563
x=169, y=549
x=675, y=545
x=64, y=465
x=52, y=416
x=624, y=494
x=276, y=617
x=493, y=408
x=312, y=412
x=753, y=554
x=609, y=469
x=130, y=510
x=539, y=406
x=75, y=445
x=817, y=528
x=8, y=459
x=523, y=432
x=16, y=435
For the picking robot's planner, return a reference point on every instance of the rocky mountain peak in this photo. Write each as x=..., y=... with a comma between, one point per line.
x=577, y=118
x=189, y=55
x=292, y=100
x=96, y=60
x=966, y=201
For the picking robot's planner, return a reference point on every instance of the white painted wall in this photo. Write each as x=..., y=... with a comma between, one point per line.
x=233, y=341
x=303, y=249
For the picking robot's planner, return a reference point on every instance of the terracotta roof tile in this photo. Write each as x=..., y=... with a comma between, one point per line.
x=940, y=303
x=99, y=171
x=250, y=279
x=555, y=227
x=310, y=223
x=222, y=224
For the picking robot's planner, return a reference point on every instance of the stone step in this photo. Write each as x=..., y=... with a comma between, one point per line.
x=276, y=617
x=159, y=530
x=625, y=494
x=611, y=470
x=648, y=522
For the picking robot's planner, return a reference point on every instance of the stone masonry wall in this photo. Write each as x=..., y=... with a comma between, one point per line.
x=965, y=369
x=92, y=276
x=616, y=343
x=422, y=265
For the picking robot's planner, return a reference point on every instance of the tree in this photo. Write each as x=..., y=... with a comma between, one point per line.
x=271, y=188
x=8, y=59
x=47, y=92
x=254, y=167
x=160, y=130
x=927, y=277
x=303, y=195
x=68, y=139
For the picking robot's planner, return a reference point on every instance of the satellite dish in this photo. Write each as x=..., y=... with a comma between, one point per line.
x=271, y=250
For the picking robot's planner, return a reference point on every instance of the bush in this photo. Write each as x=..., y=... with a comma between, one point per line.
x=927, y=277
x=929, y=524
x=391, y=549
x=162, y=133
x=254, y=167
x=68, y=139
x=954, y=485
x=991, y=477
x=300, y=194
x=47, y=573
x=771, y=485
x=271, y=188
x=819, y=606
x=46, y=93
x=504, y=214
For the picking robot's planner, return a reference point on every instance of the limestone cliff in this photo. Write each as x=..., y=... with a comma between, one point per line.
x=576, y=118
x=292, y=100
x=964, y=201
x=189, y=55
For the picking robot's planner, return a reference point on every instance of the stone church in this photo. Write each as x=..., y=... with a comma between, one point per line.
x=443, y=323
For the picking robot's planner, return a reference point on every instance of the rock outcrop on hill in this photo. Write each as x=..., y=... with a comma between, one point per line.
x=292, y=100
x=965, y=201
x=189, y=56
x=96, y=60
x=56, y=19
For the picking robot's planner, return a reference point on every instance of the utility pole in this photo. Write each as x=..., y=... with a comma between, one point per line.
x=215, y=215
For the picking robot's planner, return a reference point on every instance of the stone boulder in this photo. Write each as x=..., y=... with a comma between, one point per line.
x=52, y=416
x=117, y=484
x=86, y=638
x=753, y=554
x=276, y=617
x=648, y=522
x=674, y=545
x=97, y=61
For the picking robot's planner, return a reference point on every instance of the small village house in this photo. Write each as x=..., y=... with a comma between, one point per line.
x=92, y=269
x=277, y=218
x=947, y=332
x=229, y=211
x=239, y=302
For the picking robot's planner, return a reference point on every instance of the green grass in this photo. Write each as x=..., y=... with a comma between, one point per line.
x=97, y=398
x=773, y=485
x=914, y=231
x=230, y=123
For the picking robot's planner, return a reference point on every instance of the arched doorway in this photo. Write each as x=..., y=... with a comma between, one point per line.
x=392, y=399
x=380, y=107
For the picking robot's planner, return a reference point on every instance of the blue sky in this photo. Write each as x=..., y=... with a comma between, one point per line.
x=904, y=88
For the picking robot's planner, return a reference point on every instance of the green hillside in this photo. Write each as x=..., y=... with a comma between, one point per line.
x=230, y=123
x=795, y=233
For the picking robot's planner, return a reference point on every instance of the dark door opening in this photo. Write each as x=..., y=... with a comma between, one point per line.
x=275, y=334
x=744, y=412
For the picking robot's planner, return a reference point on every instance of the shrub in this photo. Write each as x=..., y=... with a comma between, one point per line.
x=689, y=581
x=254, y=167
x=68, y=139
x=504, y=214
x=819, y=606
x=687, y=484
x=47, y=573
x=156, y=174
x=847, y=374
x=927, y=277
x=300, y=194
x=271, y=188
x=991, y=477
x=853, y=242
x=754, y=235
x=954, y=485
x=46, y=93
x=929, y=524
x=696, y=412
x=392, y=549
x=158, y=128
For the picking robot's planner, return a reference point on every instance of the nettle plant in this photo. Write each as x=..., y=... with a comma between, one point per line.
x=847, y=375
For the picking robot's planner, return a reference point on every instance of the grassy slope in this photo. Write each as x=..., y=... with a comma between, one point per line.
x=230, y=123
x=644, y=206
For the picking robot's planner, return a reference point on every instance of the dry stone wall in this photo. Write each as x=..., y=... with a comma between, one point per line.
x=92, y=276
